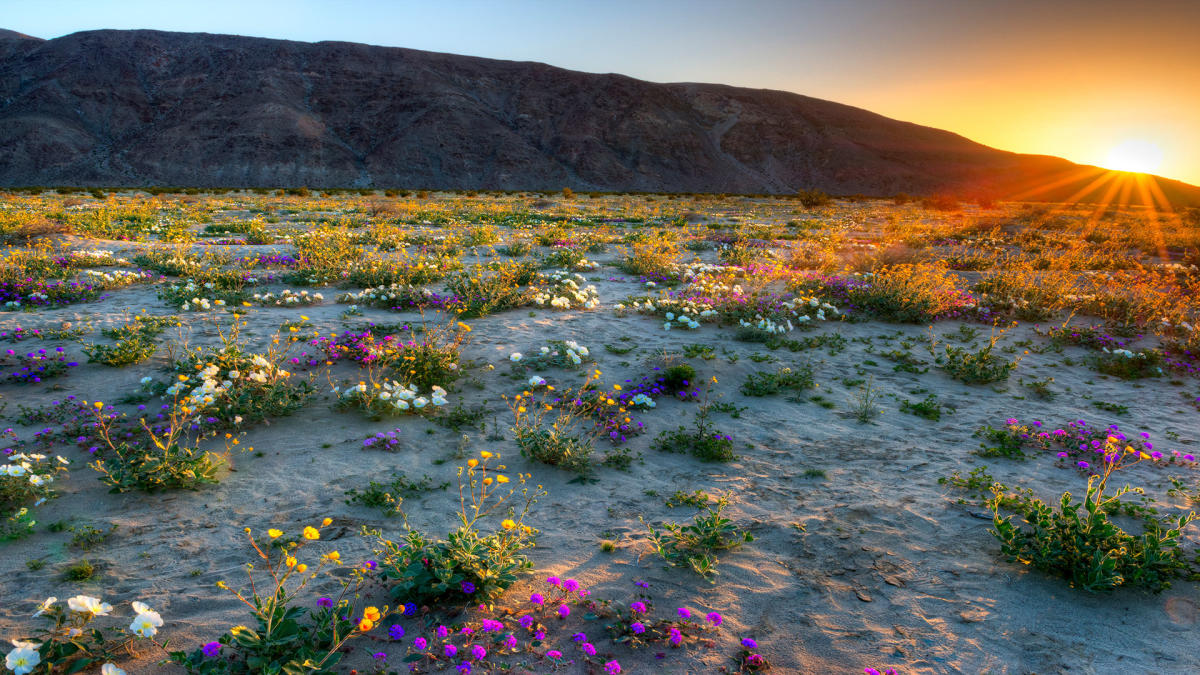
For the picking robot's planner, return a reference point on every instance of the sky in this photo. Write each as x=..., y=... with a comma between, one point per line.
x=1116, y=84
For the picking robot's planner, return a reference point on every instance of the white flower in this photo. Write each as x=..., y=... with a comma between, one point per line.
x=536, y=381
x=110, y=669
x=24, y=658
x=145, y=623
x=86, y=604
x=46, y=605
x=515, y=357
x=419, y=402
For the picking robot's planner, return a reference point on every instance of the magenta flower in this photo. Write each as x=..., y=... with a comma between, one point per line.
x=421, y=643
x=589, y=649
x=637, y=627
x=537, y=598
x=684, y=613
x=564, y=611
x=714, y=618
x=612, y=667
x=478, y=652
x=450, y=650
x=570, y=585
x=638, y=607
x=554, y=654
x=553, y=581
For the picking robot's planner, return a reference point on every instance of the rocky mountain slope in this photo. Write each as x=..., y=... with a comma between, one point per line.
x=126, y=108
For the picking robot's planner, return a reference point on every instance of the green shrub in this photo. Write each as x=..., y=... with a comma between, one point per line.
x=470, y=565
x=695, y=545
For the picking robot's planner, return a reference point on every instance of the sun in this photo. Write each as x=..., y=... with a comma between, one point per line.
x=1135, y=154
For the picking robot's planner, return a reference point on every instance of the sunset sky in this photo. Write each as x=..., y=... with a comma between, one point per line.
x=1115, y=84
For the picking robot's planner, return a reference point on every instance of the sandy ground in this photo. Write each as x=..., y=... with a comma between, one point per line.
x=874, y=563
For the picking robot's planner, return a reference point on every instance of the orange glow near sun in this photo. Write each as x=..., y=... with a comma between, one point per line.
x=1136, y=155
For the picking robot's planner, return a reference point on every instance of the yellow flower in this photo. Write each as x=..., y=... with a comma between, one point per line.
x=371, y=614
x=237, y=629
x=274, y=534
x=485, y=454
x=311, y=533
x=366, y=625
x=507, y=524
x=290, y=561
x=334, y=556
x=98, y=405
x=472, y=463
x=487, y=481
x=617, y=387
x=501, y=479
x=327, y=522
x=464, y=326
x=301, y=568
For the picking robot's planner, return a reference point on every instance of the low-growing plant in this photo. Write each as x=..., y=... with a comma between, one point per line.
x=1080, y=543
x=471, y=565
x=389, y=497
x=695, y=545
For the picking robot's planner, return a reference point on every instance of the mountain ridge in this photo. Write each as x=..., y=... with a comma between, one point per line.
x=147, y=107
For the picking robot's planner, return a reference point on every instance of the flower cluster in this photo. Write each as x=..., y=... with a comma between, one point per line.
x=564, y=290
x=288, y=298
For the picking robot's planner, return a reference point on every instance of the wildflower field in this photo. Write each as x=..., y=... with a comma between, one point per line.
x=301, y=432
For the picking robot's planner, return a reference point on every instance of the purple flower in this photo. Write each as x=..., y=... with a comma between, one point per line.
x=564, y=611
x=749, y=643
x=638, y=606
x=637, y=627
x=409, y=609
x=396, y=631
x=714, y=618
x=443, y=632
x=421, y=643
x=379, y=656
x=526, y=621
x=468, y=587
x=570, y=585
x=612, y=667
x=211, y=649
x=553, y=581
x=684, y=613
x=537, y=598
x=324, y=602
x=463, y=667
x=450, y=650
x=478, y=652
x=579, y=637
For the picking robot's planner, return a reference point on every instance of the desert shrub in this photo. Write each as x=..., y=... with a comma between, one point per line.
x=702, y=440
x=652, y=258
x=764, y=383
x=556, y=435
x=1129, y=365
x=910, y=294
x=389, y=497
x=135, y=342
x=472, y=564
x=695, y=545
x=976, y=366
x=172, y=460
x=26, y=481
x=482, y=292
x=237, y=386
x=287, y=635
x=1080, y=543
x=811, y=199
